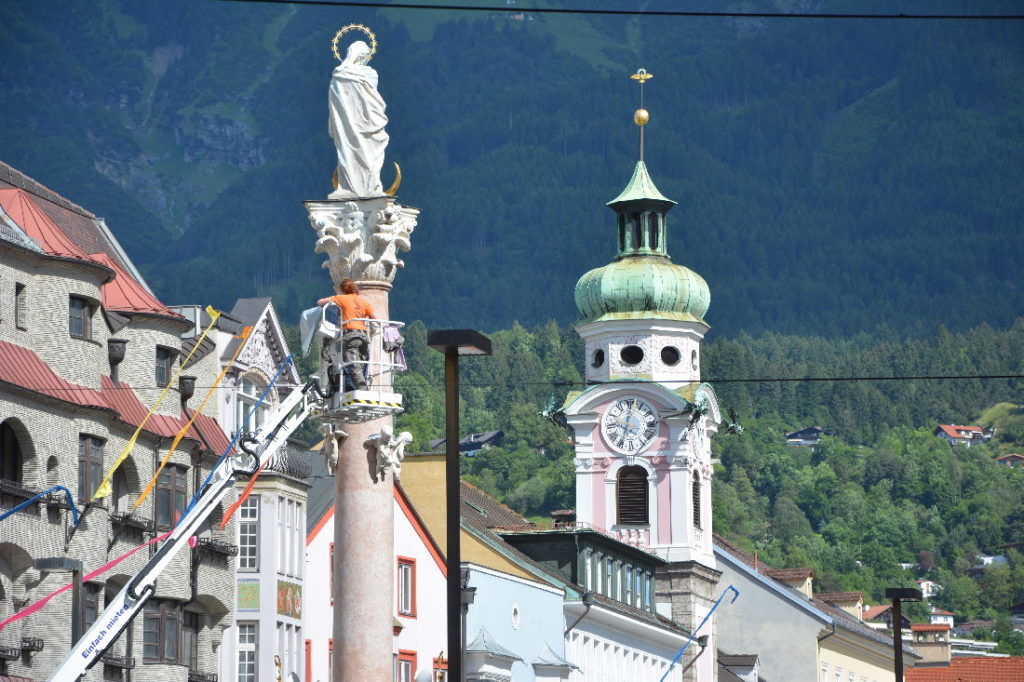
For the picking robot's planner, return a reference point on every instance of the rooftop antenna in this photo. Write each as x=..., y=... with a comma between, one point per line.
x=641, y=115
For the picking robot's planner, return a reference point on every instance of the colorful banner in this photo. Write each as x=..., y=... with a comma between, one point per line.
x=29, y=610
x=106, y=488
x=177, y=439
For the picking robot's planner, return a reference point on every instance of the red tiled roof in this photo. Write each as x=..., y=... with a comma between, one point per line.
x=1011, y=455
x=953, y=431
x=125, y=294
x=873, y=612
x=18, y=204
x=789, y=573
x=940, y=612
x=925, y=627
x=21, y=367
x=840, y=597
x=131, y=410
x=971, y=669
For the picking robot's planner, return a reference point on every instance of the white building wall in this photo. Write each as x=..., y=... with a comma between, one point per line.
x=424, y=634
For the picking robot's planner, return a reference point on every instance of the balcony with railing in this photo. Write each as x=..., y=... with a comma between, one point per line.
x=115, y=661
x=198, y=676
x=31, y=644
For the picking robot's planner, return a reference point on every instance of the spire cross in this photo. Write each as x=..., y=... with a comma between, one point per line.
x=641, y=117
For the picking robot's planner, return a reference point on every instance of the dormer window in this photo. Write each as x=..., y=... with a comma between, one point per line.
x=164, y=363
x=80, y=317
x=20, y=306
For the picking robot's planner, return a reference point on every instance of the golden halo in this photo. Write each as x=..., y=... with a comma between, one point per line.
x=354, y=27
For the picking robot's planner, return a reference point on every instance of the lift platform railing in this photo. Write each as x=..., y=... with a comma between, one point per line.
x=378, y=398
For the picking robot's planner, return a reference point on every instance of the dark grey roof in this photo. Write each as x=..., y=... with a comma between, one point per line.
x=746, y=660
x=726, y=675
x=321, y=491
x=248, y=310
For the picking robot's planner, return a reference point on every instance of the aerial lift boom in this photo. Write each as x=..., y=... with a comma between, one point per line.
x=254, y=452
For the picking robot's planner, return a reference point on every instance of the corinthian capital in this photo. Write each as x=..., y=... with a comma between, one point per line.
x=361, y=238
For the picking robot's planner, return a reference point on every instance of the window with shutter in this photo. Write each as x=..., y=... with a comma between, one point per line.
x=631, y=495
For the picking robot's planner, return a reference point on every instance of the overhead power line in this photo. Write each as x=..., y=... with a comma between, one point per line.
x=515, y=9
x=569, y=384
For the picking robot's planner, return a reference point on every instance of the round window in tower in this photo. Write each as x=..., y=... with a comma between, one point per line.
x=597, y=359
x=631, y=355
x=670, y=355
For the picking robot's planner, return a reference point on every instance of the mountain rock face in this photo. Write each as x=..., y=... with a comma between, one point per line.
x=832, y=176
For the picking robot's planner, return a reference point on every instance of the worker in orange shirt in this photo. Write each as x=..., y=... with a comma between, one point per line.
x=355, y=340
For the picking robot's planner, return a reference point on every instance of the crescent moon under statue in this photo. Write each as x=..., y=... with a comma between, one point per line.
x=398, y=181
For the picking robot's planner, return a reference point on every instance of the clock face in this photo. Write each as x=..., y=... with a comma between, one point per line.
x=629, y=425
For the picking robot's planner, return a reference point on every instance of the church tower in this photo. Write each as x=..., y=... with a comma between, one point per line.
x=643, y=425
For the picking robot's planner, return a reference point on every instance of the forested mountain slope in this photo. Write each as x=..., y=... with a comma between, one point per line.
x=831, y=175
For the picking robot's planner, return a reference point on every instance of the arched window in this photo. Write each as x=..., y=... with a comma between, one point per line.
x=652, y=230
x=696, y=500
x=631, y=495
x=10, y=454
x=622, y=232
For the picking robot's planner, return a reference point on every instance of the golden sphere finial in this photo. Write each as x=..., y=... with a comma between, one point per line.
x=641, y=117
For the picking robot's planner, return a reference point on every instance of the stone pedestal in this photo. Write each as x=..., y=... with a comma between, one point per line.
x=361, y=239
x=690, y=588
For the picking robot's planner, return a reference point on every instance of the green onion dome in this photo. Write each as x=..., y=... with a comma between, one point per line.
x=642, y=287
x=642, y=282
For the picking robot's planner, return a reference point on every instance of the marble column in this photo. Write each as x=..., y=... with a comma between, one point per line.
x=361, y=239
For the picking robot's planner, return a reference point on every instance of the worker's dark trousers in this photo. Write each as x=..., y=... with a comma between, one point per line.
x=355, y=347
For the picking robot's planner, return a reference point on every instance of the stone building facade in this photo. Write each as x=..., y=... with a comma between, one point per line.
x=85, y=350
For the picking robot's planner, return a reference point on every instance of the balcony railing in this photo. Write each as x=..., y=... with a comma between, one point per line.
x=15, y=489
x=9, y=653
x=217, y=546
x=129, y=520
x=196, y=676
x=31, y=644
x=116, y=661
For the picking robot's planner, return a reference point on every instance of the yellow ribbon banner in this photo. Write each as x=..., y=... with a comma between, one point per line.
x=105, y=487
x=177, y=439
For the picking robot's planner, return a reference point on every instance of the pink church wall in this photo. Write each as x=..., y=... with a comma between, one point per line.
x=664, y=491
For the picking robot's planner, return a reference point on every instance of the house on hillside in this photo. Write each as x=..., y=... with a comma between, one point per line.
x=880, y=617
x=473, y=443
x=807, y=437
x=929, y=588
x=86, y=352
x=797, y=635
x=1012, y=459
x=964, y=435
x=941, y=617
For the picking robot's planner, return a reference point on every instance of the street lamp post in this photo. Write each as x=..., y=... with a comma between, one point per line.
x=453, y=343
x=898, y=596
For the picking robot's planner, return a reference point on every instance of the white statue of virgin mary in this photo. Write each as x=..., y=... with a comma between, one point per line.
x=357, y=122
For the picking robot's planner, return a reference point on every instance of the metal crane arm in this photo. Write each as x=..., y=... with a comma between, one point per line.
x=254, y=451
